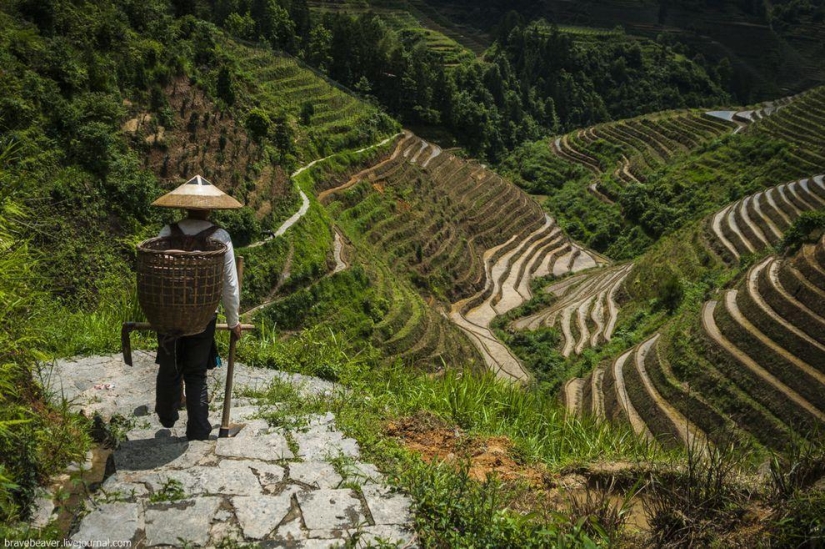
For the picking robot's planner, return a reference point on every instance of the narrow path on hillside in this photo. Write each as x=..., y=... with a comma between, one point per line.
x=633, y=416
x=338, y=253
x=739, y=318
x=302, y=483
x=304, y=208
x=357, y=177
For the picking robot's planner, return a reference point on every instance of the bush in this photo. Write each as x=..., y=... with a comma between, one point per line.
x=258, y=124
x=808, y=227
x=671, y=294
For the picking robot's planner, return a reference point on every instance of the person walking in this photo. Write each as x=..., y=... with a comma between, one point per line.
x=185, y=360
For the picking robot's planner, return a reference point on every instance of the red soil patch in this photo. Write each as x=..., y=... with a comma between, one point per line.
x=436, y=441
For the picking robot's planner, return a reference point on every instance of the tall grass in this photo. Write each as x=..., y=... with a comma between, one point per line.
x=36, y=439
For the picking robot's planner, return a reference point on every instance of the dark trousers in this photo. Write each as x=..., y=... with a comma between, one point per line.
x=186, y=359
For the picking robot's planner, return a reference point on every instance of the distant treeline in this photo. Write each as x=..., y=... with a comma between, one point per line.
x=534, y=81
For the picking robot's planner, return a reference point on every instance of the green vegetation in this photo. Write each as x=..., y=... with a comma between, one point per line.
x=103, y=105
x=38, y=438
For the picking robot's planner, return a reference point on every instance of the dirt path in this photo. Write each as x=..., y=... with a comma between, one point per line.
x=402, y=144
x=775, y=206
x=712, y=330
x=596, y=394
x=790, y=206
x=573, y=395
x=496, y=355
x=753, y=291
x=731, y=219
x=773, y=278
x=304, y=208
x=806, y=186
x=716, y=225
x=795, y=191
x=743, y=212
x=757, y=206
x=586, y=296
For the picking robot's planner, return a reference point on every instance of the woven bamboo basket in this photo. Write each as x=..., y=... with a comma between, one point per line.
x=179, y=290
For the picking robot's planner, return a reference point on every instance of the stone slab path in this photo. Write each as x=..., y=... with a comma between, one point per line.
x=298, y=487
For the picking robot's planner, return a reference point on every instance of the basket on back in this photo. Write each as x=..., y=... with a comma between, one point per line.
x=179, y=290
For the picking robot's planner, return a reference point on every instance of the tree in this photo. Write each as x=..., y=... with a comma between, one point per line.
x=307, y=111
x=241, y=26
x=225, y=87
x=258, y=124
x=318, y=49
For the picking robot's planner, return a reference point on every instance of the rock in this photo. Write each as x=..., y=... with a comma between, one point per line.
x=197, y=451
x=322, y=544
x=319, y=443
x=330, y=509
x=258, y=516
x=387, y=505
x=269, y=447
x=253, y=428
x=290, y=530
x=87, y=464
x=116, y=487
x=42, y=510
x=268, y=473
x=317, y=474
x=229, y=477
x=187, y=520
x=110, y=521
x=151, y=453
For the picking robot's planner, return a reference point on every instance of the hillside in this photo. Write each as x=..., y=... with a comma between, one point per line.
x=771, y=49
x=583, y=306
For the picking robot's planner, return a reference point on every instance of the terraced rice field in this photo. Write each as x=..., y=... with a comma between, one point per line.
x=757, y=221
x=756, y=363
x=509, y=269
x=801, y=123
x=286, y=84
x=620, y=153
x=748, y=116
x=413, y=18
x=585, y=309
x=468, y=240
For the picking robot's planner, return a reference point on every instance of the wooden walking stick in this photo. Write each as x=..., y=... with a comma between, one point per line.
x=227, y=429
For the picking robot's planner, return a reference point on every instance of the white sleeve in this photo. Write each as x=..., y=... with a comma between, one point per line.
x=231, y=297
x=165, y=231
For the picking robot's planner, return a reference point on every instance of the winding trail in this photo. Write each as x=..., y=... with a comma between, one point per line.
x=322, y=196
x=304, y=208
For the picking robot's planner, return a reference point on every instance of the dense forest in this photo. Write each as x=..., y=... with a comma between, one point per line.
x=518, y=92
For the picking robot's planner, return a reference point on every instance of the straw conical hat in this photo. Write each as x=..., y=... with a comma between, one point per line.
x=198, y=194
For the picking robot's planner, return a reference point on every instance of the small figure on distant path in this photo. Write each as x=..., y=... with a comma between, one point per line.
x=186, y=359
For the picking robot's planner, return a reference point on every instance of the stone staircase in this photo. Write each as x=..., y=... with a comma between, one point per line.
x=304, y=486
